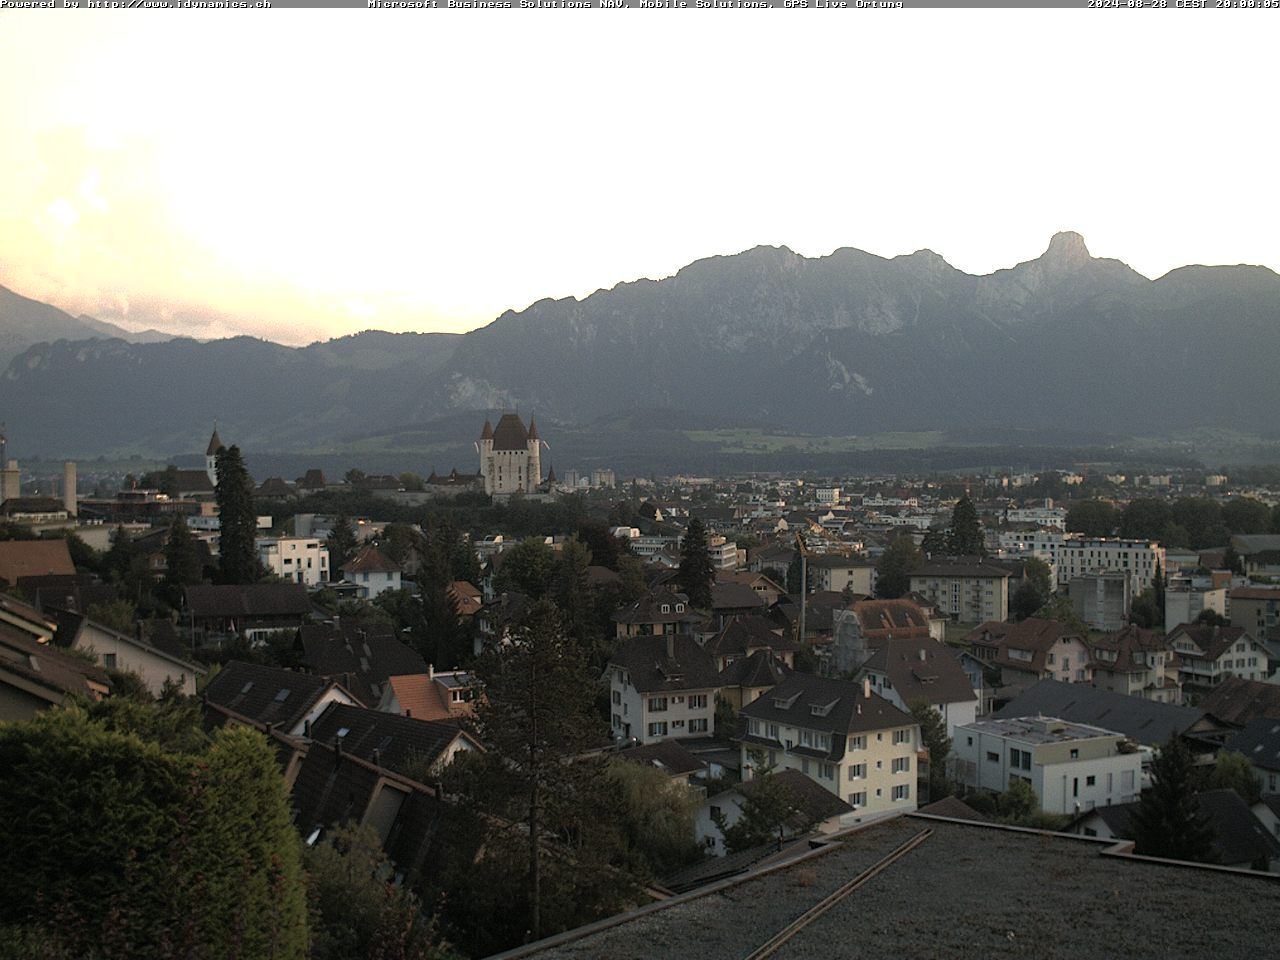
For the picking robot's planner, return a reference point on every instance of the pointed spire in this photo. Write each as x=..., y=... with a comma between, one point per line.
x=487, y=432
x=533, y=430
x=551, y=474
x=215, y=442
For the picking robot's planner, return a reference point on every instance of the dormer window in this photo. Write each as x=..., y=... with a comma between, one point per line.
x=679, y=608
x=822, y=710
x=784, y=703
x=666, y=608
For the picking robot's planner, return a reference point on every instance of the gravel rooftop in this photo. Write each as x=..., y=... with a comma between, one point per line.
x=969, y=890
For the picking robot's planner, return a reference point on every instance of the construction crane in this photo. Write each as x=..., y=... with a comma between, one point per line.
x=803, y=549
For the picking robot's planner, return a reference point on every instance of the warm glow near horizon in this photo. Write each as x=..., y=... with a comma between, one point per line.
x=319, y=172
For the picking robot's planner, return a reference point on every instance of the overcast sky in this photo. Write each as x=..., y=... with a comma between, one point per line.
x=305, y=173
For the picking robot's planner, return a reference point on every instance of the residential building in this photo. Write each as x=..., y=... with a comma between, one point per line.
x=921, y=670
x=817, y=810
x=372, y=572
x=1136, y=662
x=302, y=560
x=669, y=756
x=1185, y=598
x=964, y=588
x=510, y=456
x=852, y=741
x=160, y=668
x=1259, y=553
x=415, y=748
x=836, y=573
x=1070, y=766
x=1256, y=609
x=658, y=613
x=1031, y=650
x=1239, y=840
x=359, y=654
x=1102, y=599
x=35, y=675
x=1072, y=554
x=660, y=687
x=1259, y=742
x=285, y=700
x=744, y=680
x=1044, y=516
x=1237, y=701
x=433, y=695
x=33, y=558
x=742, y=636
x=245, y=609
x=1210, y=654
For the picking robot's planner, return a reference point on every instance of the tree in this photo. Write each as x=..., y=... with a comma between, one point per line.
x=238, y=524
x=182, y=560
x=145, y=852
x=893, y=570
x=1246, y=515
x=794, y=573
x=656, y=816
x=767, y=810
x=696, y=574
x=1144, y=519
x=356, y=911
x=536, y=717
x=1232, y=771
x=526, y=568
x=964, y=535
x=933, y=734
x=1202, y=519
x=1146, y=612
x=1168, y=822
x=1059, y=608
x=573, y=596
x=1034, y=591
x=119, y=615
x=1093, y=518
x=342, y=545
x=1018, y=802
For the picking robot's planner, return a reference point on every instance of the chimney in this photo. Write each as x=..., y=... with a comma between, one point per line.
x=306, y=729
x=923, y=655
x=866, y=690
x=69, y=487
x=671, y=646
x=377, y=757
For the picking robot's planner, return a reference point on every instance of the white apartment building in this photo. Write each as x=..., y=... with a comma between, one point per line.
x=1046, y=516
x=840, y=734
x=723, y=553
x=1071, y=767
x=1185, y=598
x=302, y=560
x=833, y=572
x=1072, y=555
x=662, y=687
x=827, y=495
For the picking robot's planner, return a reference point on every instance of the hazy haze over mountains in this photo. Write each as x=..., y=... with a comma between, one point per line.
x=850, y=343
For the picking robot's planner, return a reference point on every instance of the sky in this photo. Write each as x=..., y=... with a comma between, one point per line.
x=328, y=171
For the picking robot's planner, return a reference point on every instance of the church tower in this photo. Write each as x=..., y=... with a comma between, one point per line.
x=211, y=456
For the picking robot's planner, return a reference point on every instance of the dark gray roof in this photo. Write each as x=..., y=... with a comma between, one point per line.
x=922, y=669
x=1145, y=721
x=734, y=596
x=652, y=670
x=360, y=656
x=761, y=669
x=248, y=600
x=954, y=809
x=667, y=755
x=1259, y=741
x=510, y=433
x=834, y=706
x=744, y=634
x=402, y=744
x=967, y=890
x=1238, y=836
x=958, y=567
x=1237, y=700
x=265, y=694
x=813, y=802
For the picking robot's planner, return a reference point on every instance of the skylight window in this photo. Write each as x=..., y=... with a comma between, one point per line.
x=282, y=696
x=247, y=687
x=343, y=731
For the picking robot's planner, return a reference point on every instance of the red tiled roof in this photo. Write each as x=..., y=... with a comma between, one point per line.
x=34, y=558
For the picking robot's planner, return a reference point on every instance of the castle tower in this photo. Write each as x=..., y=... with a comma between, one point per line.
x=211, y=456
x=534, y=470
x=485, y=446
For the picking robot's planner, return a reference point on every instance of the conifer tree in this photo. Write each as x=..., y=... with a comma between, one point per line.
x=1168, y=822
x=342, y=545
x=964, y=536
x=238, y=556
x=696, y=573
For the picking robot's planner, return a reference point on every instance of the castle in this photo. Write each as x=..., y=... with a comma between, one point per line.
x=510, y=458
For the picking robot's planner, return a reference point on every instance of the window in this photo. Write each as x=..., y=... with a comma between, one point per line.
x=857, y=743
x=1090, y=781
x=901, y=765
x=902, y=792
x=773, y=731
x=698, y=701
x=1126, y=779
x=806, y=738
x=657, y=704
x=698, y=726
x=857, y=771
x=1075, y=754
x=993, y=757
x=827, y=771
x=857, y=800
x=902, y=736
x=617, y=696
x=282, y=695
x=658, y=729
x=970, y=739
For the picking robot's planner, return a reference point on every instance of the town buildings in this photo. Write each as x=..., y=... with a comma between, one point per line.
x=964, y=588
x=662, y=686
x=302, y=560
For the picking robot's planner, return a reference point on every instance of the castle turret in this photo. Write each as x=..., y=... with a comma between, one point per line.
x=485, y=447
x=534, y=477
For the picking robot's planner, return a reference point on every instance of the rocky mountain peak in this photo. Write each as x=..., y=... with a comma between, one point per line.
x=1067, y=251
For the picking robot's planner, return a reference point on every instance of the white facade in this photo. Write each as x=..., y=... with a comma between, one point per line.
x=651, y=717
x=956, y=714
x=1185, y=600
x=1072, y=555
x=1044, y=516
x=297, y=559
x=1070, y=766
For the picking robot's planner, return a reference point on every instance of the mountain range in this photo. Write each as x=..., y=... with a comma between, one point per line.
x=846, y=344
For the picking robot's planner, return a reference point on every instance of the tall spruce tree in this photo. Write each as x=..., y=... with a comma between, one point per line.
x=964, y=536
x=182, y=560
x=696, y=573
x=342, y=545
x=893, y=570
x=238, y=556
x=1168, y=822
x=536, y=718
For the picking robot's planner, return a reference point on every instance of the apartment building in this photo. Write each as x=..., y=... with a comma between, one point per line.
x=1257, y=609
x=1102, y=599
x=964, y=588
x=1136, y=662
x=1072, y=555
x=837, y=573
x=1071, y=767
x=662, y=687
x=841, y=734
x=1210, y=654
x=302, y=560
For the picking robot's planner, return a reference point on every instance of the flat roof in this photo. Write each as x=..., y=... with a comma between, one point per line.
x=967, y=890
x=1040, y=729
